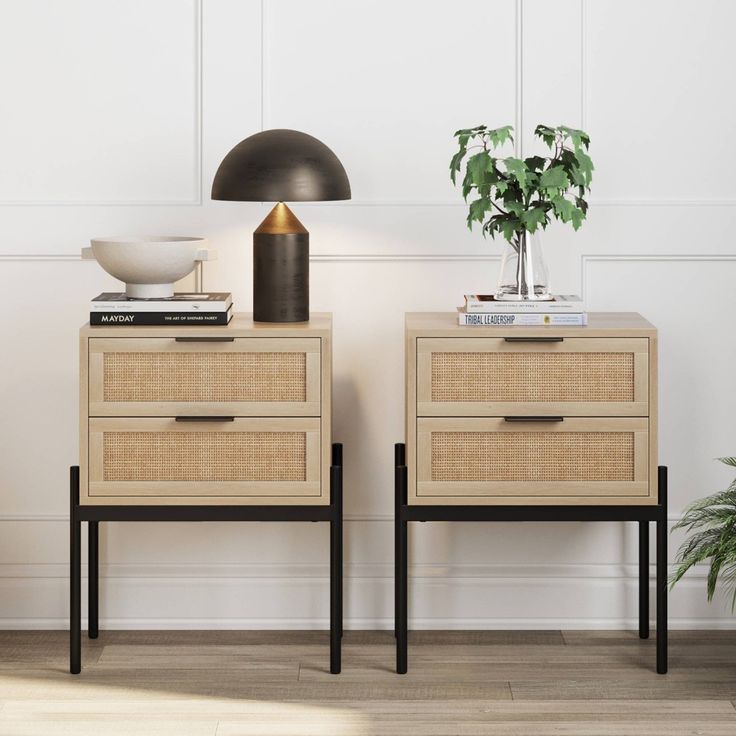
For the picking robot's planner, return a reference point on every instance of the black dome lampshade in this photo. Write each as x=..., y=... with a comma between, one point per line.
x=277, y=166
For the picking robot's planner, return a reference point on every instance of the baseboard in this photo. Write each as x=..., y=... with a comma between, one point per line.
x=276, y=596
x=363, y=624
x=447, y=573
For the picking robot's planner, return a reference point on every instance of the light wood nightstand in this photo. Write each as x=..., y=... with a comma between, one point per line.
x=532, y=424
x=205, y=424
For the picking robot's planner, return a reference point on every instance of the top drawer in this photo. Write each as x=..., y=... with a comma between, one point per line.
x=488, y=376
x=201, y=377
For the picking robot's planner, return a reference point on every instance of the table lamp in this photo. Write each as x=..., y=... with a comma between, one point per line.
x=277, y=166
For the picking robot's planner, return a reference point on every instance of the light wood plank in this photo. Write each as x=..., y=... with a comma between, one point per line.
x=131, y=724
x=578, y=683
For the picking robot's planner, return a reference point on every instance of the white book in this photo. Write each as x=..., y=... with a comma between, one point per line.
x=488, y=303
x=180, y=302
x=579, y=319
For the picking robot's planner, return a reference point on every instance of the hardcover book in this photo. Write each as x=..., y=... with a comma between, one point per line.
x=180, y=302
x=489, y=303
x=530, y=319
x=188, y=319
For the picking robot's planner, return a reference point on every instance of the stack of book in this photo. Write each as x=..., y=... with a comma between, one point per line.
x=486, y=310
x=181, y=309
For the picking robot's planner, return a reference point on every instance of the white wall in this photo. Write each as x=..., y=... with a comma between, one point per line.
x=113, y=119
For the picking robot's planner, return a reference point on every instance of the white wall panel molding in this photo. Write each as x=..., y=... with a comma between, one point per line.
x=583, y=65
x=519, y=90
x=398, y=257
x=664, y=19
x=196, y=142
x=593, y=202
x=647, y=257
x=35, y=257
x=315, y=257
x=343, y=91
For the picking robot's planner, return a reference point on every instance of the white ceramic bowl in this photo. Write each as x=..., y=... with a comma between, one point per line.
x=149, y=266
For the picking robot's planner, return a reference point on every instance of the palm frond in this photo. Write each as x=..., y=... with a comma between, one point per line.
x=721, y=505
x=711, y=526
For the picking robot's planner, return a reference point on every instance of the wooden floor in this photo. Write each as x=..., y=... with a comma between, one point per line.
x=504, y=683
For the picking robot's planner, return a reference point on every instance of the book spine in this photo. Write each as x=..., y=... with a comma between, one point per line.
x=159, y=307
x=98, y=319
x=524, y=307
x=529, y=320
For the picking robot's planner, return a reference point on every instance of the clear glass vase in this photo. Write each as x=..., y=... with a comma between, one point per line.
x=524, y=274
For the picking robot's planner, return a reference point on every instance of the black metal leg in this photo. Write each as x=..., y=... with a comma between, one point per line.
x=93, y=578
x=336, y=561
x=662, y=573
x=341, y=535
x=75, y=575
x=643, y=579
x=399, y=463
x=402, y=554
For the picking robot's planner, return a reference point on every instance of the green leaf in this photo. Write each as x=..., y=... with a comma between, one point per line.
x=515, y=207
x=577, y=216
x=469, y=131
x=499, y=136
x=455, y=163
x=478, y=209
x=535, y=163
x=582, y=205
x=569, y=160
x=553, y=179
x=585, y=164
x=546, y=133
x=728, y=461
x=516, y=168
x=533, y=218
x=579, y=138
x=493, y=225
x=478, y=166
x=510, y=226
x=566, y=211
x=467, y=185
x=562, y=208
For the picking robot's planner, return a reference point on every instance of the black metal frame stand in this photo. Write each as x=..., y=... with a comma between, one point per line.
x=93, y=515
x=641, y=514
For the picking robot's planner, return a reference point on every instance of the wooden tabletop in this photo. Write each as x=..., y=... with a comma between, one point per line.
x=600, y=324
x=242, y=324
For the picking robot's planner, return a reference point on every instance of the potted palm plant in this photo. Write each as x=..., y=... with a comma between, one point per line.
x=516, y=197
x=711, y=526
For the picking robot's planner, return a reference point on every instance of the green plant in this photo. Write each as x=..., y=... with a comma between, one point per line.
x=711, y=522
x=512, y=195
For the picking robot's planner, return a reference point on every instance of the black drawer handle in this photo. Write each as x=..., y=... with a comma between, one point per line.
x=534, y=339
x=534, y=419
x=205, y=419
x=204, y=339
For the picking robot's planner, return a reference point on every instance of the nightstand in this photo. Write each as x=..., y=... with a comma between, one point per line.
x=532, y=424
x=205, y=424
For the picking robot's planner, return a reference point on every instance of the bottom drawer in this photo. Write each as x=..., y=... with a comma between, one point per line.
x=244, y=457
x=492, y=458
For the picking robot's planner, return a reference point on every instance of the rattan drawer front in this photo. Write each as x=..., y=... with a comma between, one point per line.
x=244, y=377
x=246, y=457
x=492, y=377
x=491, y=457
